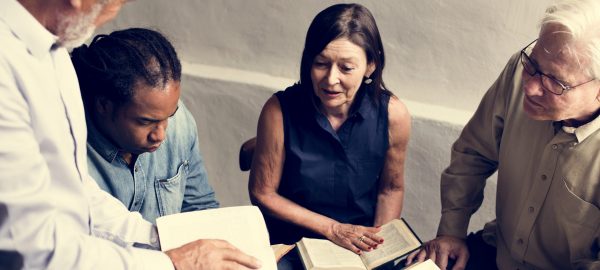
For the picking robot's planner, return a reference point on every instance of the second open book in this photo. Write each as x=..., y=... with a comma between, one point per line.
x=242, y=226
x=399, y=240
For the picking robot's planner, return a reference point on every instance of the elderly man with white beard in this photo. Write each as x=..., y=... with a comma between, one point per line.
x=52, y=214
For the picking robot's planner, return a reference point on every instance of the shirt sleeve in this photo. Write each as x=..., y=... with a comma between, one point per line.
x=474, y=157
x=31, y=223
x=199, y=194
x=111, y=220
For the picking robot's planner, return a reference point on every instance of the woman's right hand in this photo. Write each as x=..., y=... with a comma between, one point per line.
x=355, y=238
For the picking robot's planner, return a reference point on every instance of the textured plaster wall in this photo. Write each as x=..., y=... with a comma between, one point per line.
x=444, y=52
x=442, y=55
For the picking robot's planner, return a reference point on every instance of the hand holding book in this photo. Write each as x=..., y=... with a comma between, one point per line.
x=355, y=238
x=241, y=230
x=318, y=254
x=198, y=255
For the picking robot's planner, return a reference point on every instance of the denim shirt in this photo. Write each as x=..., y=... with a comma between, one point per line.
x=170, y=180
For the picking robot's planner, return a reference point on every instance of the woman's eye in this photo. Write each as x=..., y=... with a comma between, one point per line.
x=319, y=64
x=347, y=68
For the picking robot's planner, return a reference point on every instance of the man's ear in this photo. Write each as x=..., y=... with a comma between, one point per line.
x=104, y=106
x=370, y=69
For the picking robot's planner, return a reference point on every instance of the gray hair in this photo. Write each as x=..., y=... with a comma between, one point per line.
x=581, y=18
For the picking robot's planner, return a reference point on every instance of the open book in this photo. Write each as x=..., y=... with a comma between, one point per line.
x=399, y=240
x=242, y=226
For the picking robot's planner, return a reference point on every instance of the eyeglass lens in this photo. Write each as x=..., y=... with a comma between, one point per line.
x=548, y=83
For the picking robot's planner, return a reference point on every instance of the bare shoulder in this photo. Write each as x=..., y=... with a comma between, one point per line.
x=272, y=106
x=269, y=132
x=271, y=115
x=398, y=115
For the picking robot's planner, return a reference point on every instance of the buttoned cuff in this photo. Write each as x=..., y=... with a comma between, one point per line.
x=147, y=234
x=454, y=223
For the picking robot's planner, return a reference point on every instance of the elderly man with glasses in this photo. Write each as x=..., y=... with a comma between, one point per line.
x=538, y=127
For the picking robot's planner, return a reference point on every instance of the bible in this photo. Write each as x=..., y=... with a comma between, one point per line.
x=319, y=254
x=242, y=226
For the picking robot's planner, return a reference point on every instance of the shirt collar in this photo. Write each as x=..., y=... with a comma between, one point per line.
x=24, y=26
x=584, y=131
x=362, y=105
x=100, y=143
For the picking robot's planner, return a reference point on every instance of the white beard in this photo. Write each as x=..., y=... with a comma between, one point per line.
x=74, y=30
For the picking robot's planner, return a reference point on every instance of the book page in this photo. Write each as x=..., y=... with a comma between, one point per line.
x=242, y=226
x=398, y=241
x=424, y=265
x=324, y=254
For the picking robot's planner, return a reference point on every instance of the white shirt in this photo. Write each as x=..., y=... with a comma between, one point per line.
x=51, y=211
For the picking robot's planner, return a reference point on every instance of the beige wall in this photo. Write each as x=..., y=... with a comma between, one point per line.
x=443, y=52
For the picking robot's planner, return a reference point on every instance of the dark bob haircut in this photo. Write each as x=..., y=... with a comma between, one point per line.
x=354, y=22
x=112, y=64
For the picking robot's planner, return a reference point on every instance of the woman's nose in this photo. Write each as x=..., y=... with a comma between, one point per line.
x=333, y=76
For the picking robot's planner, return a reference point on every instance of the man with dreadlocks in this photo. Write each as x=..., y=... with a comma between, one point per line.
x=142, y=141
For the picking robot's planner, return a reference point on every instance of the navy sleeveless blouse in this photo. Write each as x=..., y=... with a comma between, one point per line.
x=332, y=173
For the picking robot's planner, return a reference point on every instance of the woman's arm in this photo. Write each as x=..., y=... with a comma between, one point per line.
x=265, y=176
x=267, y=167
x=391, y=188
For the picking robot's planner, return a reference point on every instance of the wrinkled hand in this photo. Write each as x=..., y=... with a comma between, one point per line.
x=210, y=254
x=354, y=237
x=440, y=249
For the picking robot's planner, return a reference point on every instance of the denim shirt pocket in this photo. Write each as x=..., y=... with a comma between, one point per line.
x=170, y=191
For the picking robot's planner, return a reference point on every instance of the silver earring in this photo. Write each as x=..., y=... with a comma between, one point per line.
x=368, y=81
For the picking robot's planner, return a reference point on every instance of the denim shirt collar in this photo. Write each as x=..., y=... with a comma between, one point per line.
x=100, y=143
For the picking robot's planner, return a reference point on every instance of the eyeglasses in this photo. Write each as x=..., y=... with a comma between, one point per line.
x=549, y=83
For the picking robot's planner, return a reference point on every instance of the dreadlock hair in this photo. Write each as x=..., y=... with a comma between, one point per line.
x=113, y=64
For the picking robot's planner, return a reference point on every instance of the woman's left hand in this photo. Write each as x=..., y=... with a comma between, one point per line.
x=355, y=237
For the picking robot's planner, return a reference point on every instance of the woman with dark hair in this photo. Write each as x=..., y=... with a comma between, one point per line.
x=329, y=158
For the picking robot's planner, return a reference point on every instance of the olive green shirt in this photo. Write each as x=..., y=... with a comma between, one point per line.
x=548, y=193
